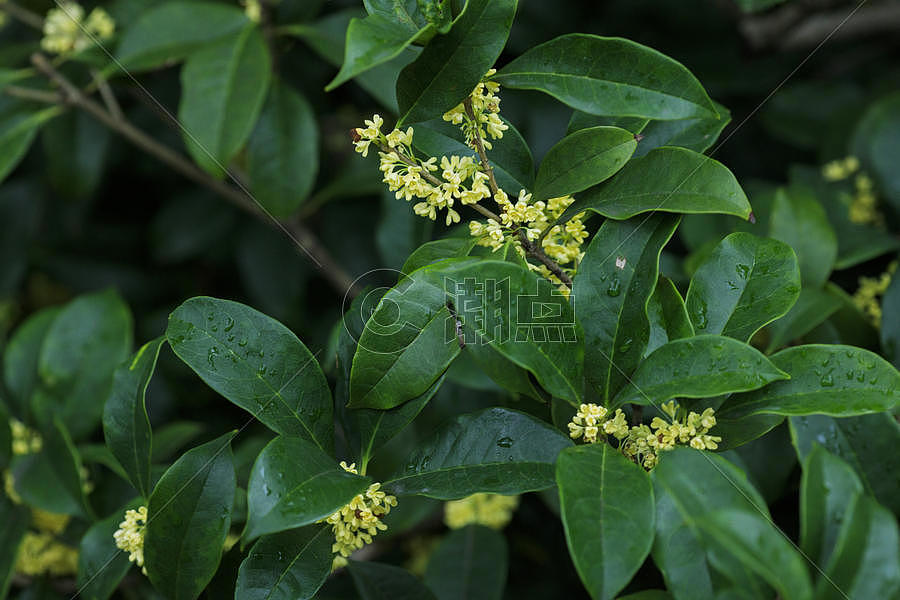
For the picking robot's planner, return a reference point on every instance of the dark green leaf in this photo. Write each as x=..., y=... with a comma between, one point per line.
x=19, y=123
x=126, y=425
x=15, y=519
x=614, y=283
x=638, y=82
x=283, y=151
x=667, y=314
x=291, y=565
x=826, y=380
x=76, y=146
x=286, y=491
x=223, y=89
x=20, y=359
x=666, y=179
x=468, y=563
x=376, y=581
x=699, y=367
x=875, y=141
x=745, y=283
x=431, y=252
x=582, y=120
x=890, y=322
x=813, y=307
x=171, y=31
x=172, y=437
x=696, y=134
x=188, y=519
x=799, y=220
x=605, y=499
x=495, y=450
x=255, y=362
x=425, y=91
x=582, y=159
x=101, y=565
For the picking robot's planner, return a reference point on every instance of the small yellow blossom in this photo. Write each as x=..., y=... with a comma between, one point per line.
x=359, y=521
x=130, y=535
x=66, y=30
x=837, y=170
x=253, y=10
x=41, y=554
x=587, y=422
x=868, y=296
x=24, y=439
x=9, y=486
x=491, y=510
x=485, y=110
x=230, y=540
x=49, y=522
x=864, y=204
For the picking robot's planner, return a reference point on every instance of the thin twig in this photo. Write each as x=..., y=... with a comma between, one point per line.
x=295, y=229
x=32, y=94
x=32, y=19
x=109, y=99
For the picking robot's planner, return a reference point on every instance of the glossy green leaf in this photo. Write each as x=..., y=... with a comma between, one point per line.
x=469, y=563
x=255, y=362
x=223, y=89
x=15, y=519
x=101, y=565
x=376, y=581
x=425, y=91
x=824, y=379
x=76, y=146
x=680, y=549
x=172, y=437
x=667, y=315
x=431, y=252
x=19, y=123
x=827, y=489
x=867, y=442
x=667, y=179
x=126, y=425
x=188, y=518
x=582, y=120
x=583, y=159
x=283, y=151
x=293, y=483
x=875, y=141
x=736, y=432
x=86, y=342
x=762, y=547
x=745, y=283
x=495, y=450
x=639, y=82
x=605, y=499
x=799, y=220
x=697, y=134
x=812, y=308
x=171, y=31
x=20, y=359
x=699, y=367
x=890, y=322
x=866, y=559
x=291, y=565
x=613, y=285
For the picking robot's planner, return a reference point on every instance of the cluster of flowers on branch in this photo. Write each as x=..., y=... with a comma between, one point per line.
x=863, y=202
x=491, y=510
x=67, y=30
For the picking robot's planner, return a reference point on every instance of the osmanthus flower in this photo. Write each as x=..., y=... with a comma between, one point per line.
x=357, y=523
x=24, y=439
x=867, y=297
x=130, y=535
x=67, y=30
x=491, y=510
x=485, y=118
x=839, y=169
x=42, y=554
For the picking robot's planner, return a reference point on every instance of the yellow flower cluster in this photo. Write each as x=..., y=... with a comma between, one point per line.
x=840, y=169
x=24, y=439
x=438, y=183
x=485, y=110
x=641, y=443
x=864, y=206
x=66, y=29
x=868, y=296
x=253, y=10
x=41, y=554
x=491, y=510
x=130, y=535
x=50, y=522
x=359, y=521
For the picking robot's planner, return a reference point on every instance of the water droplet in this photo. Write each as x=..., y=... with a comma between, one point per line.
x=266, y=490
x=242, y=342
x=827, y=380
x=210, y=317
x=211, y=357
x=229, y=323
x=261, y=370
x=742, y=270
x=214, y=327
x=700, y=318
x=626, y=346
x=505, y=442
x=614, y=288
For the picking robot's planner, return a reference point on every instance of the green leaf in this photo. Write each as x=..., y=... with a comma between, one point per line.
x=696, y=134
x=613, y=285
x=15, y=519
x=255, y=362
x=582, y=159
x=824, y=379
x=431, y=252
x=20, y=359
x=699, y=367
x=633, y=80
x=799, y=220
x=76, y=146
x=666, y=179
x=126, y=425
x=171, y=31
x=495, y=450
x=827, y=489
x=866, y=560
x=890, y=322
x=679, y=549
x=868, y=443
x=606, y=499
x=223, y=89
x=285, y=492
x=471, y=562
x=667, y=315
x=19, y=123
x=759, y=545
x=291, y=565
x=101, y=565
x=188, y=518
x=376, y=581
x=875, y=141
x=745, y=283
x=424, y=88
x=812, y=308
x=283, y=151
x=88, y=339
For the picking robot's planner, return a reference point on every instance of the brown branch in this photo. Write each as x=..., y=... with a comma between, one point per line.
x=32, y=19
x=31, y=94
x=297, y=231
